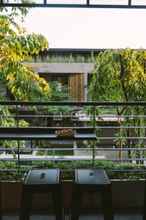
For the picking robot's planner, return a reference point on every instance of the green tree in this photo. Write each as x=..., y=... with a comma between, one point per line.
x=24, y=84
x=15, y=47
x=105, y=84
x=120, y=75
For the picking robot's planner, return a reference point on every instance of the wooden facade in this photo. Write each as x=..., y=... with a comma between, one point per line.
x=76, y=87
x=75, y=74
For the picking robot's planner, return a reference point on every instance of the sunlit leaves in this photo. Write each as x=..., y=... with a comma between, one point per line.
x=15, y=47
x=105, y=84
x=119, y=75
x=134, y=79
x=22, y=82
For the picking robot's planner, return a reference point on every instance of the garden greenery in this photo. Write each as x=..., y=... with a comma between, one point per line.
x=16, y=46
x=120, y=76
x=114, y=170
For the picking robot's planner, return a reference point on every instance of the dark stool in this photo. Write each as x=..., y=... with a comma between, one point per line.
x=41, y=181
x=95, y=180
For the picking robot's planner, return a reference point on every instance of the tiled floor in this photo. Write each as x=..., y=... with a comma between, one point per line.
x=87, y=217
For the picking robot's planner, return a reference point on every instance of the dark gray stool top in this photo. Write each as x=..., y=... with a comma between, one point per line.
x=42, y=177
x=91, y=177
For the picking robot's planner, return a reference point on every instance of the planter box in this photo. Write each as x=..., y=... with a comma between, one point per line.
x=10, y=196
x=126, y=195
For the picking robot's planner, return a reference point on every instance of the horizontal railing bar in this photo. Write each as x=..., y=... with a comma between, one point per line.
x=114, y=138
x=39, y=116
x=76, y=149
x=15, y=148
x=10, y=170
x=98, y=117
x=120, y=116
x=112, y=149
x=49, y=128
x=127, y=170
x=127, y=159
x=142, y=103
x=55, y=158
x=66, y=158
x=121, y=149
x=77, y=127
x=119, y=127
x=51, y=158
x=9, y=159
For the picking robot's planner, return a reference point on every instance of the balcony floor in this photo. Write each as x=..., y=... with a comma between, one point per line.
x=87, y=217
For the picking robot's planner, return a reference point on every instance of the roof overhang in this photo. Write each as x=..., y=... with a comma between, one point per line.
x=127, y=4
x=61, y=68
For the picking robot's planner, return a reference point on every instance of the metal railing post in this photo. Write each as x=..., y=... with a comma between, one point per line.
x=18, y=142
x=94, y=128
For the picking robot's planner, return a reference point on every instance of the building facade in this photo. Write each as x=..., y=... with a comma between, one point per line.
x=70, y=67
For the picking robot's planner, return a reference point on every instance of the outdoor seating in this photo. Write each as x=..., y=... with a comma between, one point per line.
x=41, y=181
x=92, y=180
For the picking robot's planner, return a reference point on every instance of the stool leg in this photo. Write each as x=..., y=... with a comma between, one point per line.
x=58, y=203
x=76, y=200
x=144, y=206
x=107, y=203
x=0, y=202
x=25, y=205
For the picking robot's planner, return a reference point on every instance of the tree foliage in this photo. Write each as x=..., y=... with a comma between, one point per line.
x=105, y=78
x=119, y=75
x=24, y=84
x=15, y=47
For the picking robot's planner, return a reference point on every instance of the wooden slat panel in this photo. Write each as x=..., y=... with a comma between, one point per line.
x=76, y=87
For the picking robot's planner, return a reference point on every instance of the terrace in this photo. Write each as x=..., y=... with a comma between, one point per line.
x=70, y=141
x=88, y=158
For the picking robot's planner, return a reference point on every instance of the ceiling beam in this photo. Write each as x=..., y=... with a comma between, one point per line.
x=129, y=5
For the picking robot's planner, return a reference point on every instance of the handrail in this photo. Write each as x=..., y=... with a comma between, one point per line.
x=96, y=143
x=69, y=103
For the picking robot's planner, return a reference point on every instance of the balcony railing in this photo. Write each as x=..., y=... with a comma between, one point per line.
x=69, y=131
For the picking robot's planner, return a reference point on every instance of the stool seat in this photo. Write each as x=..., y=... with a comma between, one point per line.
x=41, y=181
x=91, y=177
x=92, y=180
x=42, y=177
